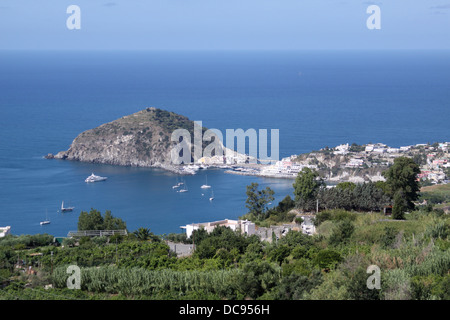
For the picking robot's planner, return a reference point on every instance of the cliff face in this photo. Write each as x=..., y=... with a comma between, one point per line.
x=141, y=139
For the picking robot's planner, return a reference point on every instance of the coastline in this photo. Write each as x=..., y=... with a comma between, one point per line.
x=343, y=163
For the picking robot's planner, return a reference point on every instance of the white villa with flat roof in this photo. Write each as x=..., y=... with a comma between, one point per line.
x=4, y=231
x=245, y=226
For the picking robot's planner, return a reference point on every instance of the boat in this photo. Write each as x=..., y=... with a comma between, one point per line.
x=46, y=221
x=212, y=196
x=178, y=184
x=206, y=186
x=94, y=178
x=66, y=209
x=184, y=188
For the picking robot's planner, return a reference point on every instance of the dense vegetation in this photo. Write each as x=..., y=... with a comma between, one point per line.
x=413, y=255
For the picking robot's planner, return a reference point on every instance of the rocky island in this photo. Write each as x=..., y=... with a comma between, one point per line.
x=142, y=139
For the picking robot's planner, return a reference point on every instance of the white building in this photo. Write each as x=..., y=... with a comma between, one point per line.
x=245, y=226
x=380, y=149
x=4, y=231
x=248, y=227
x=308, y=225
x=341, y=149
x=355, y=163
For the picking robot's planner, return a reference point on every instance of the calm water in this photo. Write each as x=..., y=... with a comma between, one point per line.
x=315, y=99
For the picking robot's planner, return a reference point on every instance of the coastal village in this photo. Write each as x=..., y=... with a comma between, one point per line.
x=355, y=163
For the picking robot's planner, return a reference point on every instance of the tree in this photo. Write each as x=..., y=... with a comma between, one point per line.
x=346, y=185
x=257, y=200
x=286, y=204
x=400, y=205
x=402, y=176
x=279, y=253
x=369, y=197
x=356, y=148
x=306, y=188
x=93, y=220
x=111, y=223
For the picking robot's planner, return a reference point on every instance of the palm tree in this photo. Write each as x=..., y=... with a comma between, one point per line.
x=143, y=234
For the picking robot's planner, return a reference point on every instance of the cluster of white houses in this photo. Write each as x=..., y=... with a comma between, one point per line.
x=383, y=154
x=285, y=167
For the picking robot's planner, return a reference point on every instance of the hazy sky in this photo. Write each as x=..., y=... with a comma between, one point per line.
x=224, y=24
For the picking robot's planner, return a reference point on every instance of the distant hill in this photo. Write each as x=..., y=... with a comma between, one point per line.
x=141, y=139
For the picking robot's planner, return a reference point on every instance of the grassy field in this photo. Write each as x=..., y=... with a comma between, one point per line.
x=440, y=189
x=439, y=195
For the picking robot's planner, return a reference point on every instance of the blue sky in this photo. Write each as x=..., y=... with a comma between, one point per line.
x=224, y=25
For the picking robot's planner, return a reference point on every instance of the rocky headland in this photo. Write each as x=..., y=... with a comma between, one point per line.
x=142, y=139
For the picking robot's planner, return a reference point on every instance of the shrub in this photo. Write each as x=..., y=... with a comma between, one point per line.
x=342, y=232
x=396, y=285
x=294, y=286
x=301, y=266
x=333, y=287
x=389, y=236
x=257, y=278
x=327, y=258
x=437, y=229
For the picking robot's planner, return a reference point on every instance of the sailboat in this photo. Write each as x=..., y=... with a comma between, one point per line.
x=184, y=189
x=46, y=221
x=63, y=209
x=212, y=196
x=206, y=186
x=178, y=184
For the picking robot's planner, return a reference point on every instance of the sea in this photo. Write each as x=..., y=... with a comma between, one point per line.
x=314, y=98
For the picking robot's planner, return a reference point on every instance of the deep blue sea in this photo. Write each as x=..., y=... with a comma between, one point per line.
x=315, y=99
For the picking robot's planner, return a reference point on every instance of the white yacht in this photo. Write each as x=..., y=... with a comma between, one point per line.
x=94, y=178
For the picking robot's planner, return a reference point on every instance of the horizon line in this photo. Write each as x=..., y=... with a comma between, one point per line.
x=222, y=49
